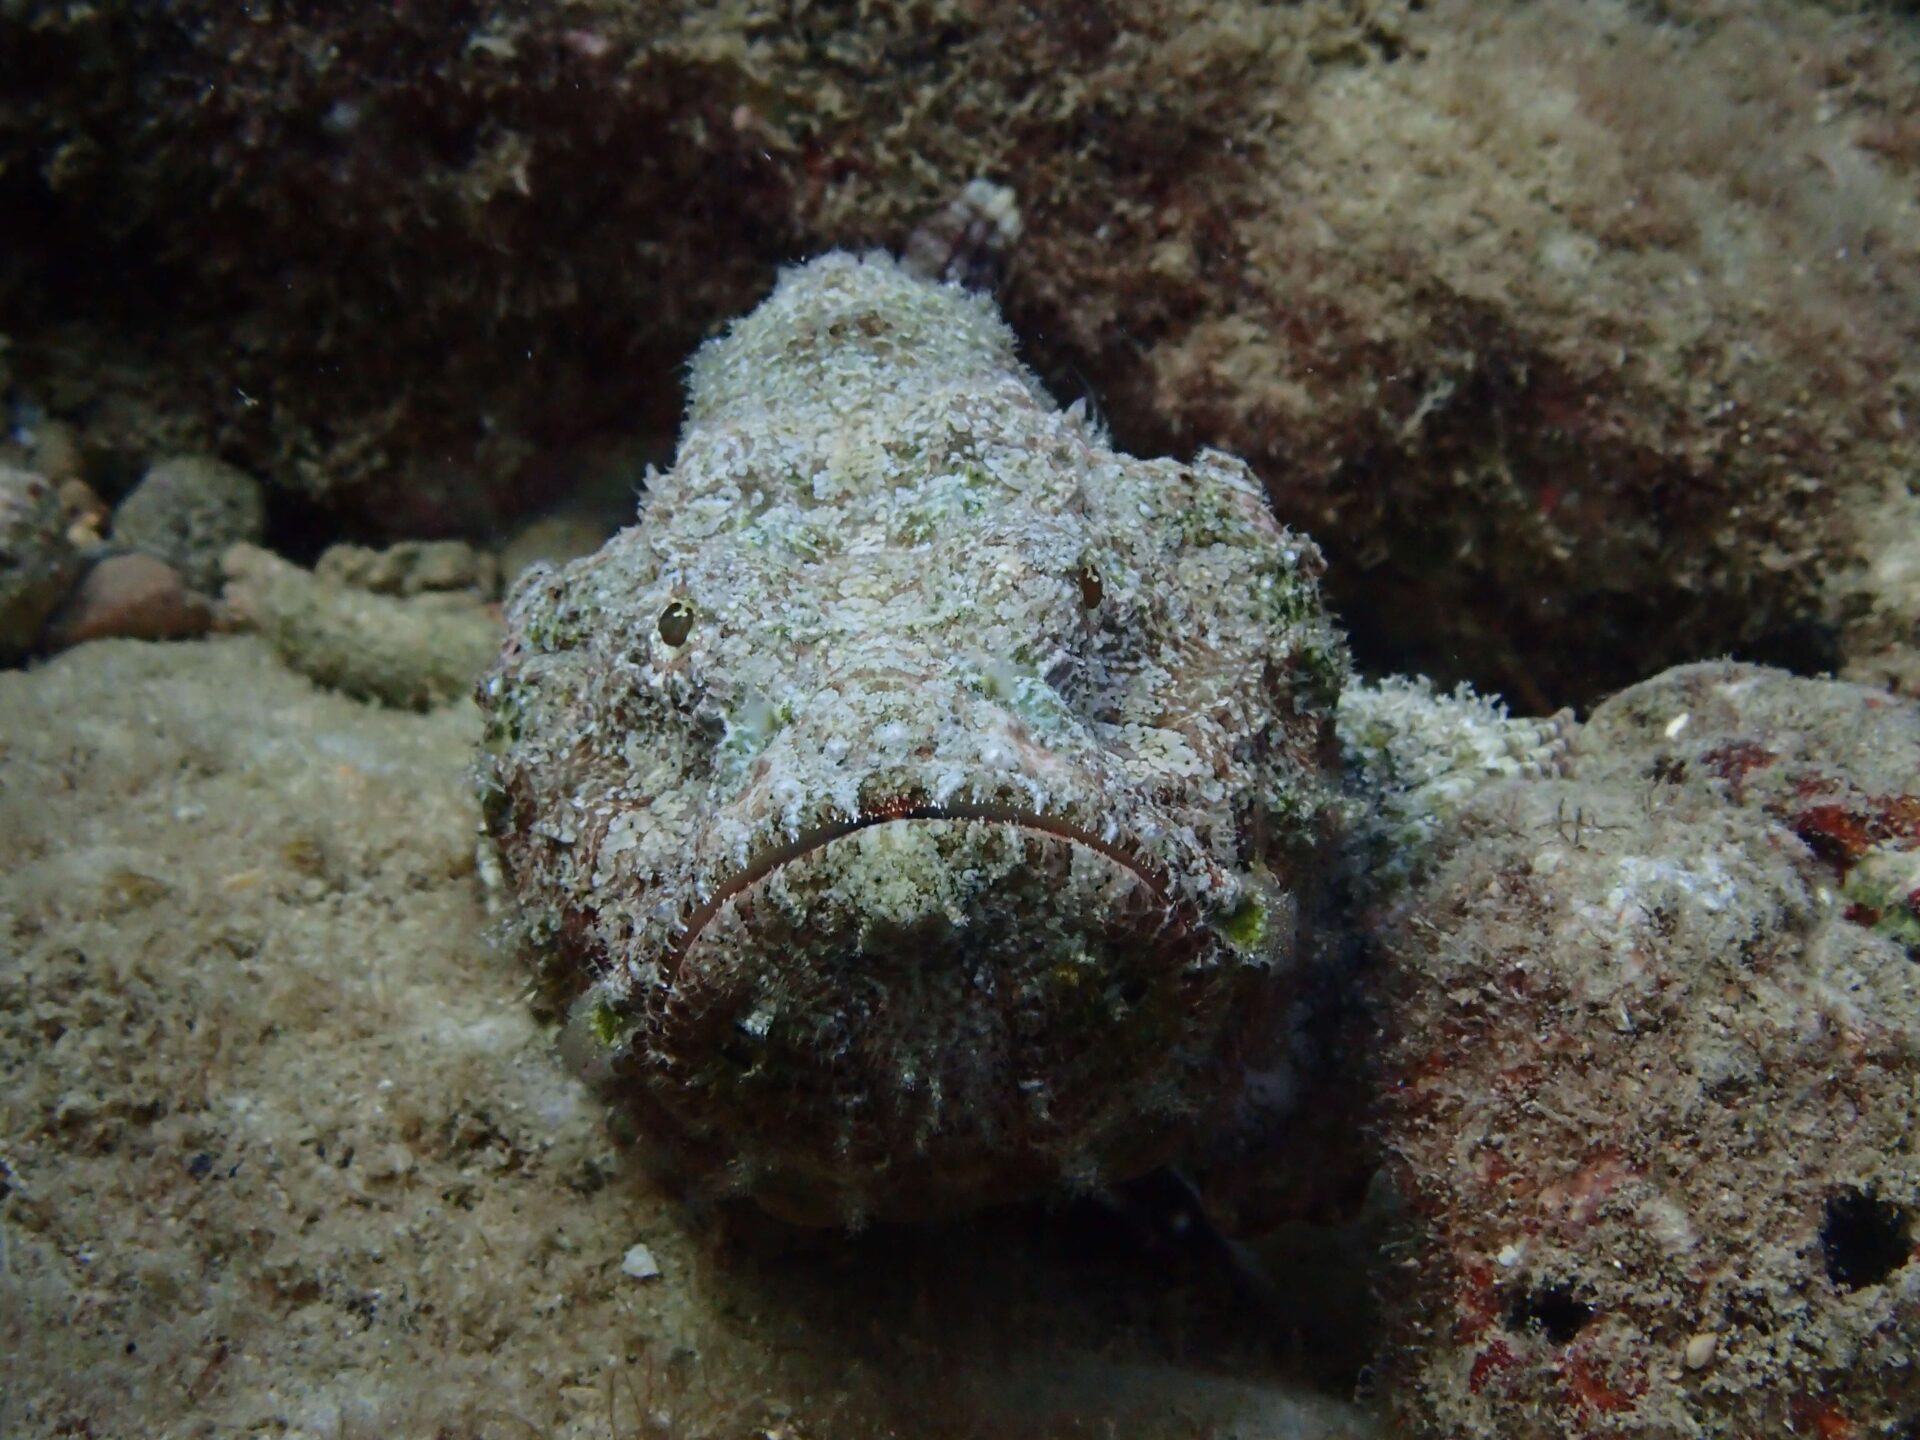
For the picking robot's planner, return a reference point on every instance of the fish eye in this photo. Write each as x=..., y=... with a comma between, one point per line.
x=1088, y=579
x=676, y=622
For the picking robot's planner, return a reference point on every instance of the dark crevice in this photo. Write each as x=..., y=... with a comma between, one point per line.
x=1865, y=1238
x=1550, y=1310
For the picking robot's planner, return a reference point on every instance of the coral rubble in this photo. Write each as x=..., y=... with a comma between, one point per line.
x=411, y=652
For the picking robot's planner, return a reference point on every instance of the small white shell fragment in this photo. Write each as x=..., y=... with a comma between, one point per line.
x=1699, y=1351
x=640, y=1264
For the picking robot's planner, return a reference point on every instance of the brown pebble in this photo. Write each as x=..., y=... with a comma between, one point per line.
x=135, y=597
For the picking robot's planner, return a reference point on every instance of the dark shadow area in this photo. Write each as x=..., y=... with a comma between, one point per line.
x=1865, y=1238
x=1122, y=1314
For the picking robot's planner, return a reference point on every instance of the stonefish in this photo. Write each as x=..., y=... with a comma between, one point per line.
x=912, y=810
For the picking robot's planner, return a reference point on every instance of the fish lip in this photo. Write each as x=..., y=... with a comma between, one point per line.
x=1148, y=871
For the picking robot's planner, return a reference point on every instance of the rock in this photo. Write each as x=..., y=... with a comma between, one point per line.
x=37, y=560
x=1576, y=334
x=1413, y=758
x=411, y=654
x=639, y=1263
x=1894, y=668
x=188, y=511
x=1652, y=1076
x=413, y=567
x=132, y=597
x=56, y=451
x=1882, y=598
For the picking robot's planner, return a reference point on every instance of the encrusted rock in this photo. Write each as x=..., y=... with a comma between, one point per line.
x=37, y=561
x=414, y=567
x=187, y=511
x=1654, y=1075
x=912, y=810
x=1882, y=602
x=56, y=451
x=1413, y=758
x=411, y=654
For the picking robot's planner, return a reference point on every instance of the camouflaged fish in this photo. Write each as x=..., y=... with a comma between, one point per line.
x=912, y=810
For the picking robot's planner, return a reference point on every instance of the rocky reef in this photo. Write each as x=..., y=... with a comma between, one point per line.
x=1581, y=335
x=1653, y=1073
x=37, y=560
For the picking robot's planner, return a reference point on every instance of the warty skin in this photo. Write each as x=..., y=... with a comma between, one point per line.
x=912, y=810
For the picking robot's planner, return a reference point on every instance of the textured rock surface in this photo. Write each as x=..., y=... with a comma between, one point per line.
x=913, y=808
x=284, y=1152
x=1880, y=596
x=1654, y=1073
x=1580, y=334
x=37, y=561
x=1411, y=760
x=418, y=567
x=187, y=511
x=410, y=653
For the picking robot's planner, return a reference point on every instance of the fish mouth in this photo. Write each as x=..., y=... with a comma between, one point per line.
x=1149, y=872
x=921, y=1011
